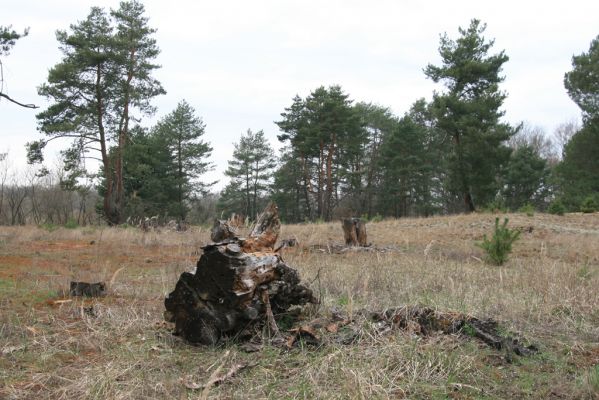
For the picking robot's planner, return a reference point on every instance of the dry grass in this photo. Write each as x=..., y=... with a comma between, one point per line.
x=117, y=347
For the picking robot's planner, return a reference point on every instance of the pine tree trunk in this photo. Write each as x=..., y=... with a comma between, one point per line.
x=329, y=182
x=108, y=200
x=469, y=202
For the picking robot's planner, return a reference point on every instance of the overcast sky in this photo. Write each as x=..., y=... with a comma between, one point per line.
x=239, y=63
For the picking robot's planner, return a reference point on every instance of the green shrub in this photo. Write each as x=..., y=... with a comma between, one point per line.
x=71, y=224
x=527, y=209
x=496, y=206
x=49, y=227
x=556, y=207
x=468, y=330
x=589, y=205
x=500, y=245
x=377, y=218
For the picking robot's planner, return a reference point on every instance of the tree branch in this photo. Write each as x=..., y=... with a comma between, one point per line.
x=16, y=102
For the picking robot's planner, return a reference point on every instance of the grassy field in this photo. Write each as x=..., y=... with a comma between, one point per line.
x=118, y=347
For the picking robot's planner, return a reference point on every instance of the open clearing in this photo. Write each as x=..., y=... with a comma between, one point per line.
x=118, y=347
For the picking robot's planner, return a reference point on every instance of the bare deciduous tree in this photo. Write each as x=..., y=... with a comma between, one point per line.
x=563, y=133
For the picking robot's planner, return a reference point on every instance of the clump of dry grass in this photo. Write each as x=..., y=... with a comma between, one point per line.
x=117, y=347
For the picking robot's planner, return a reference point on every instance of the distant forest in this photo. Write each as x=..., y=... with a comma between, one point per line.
x=340, y=156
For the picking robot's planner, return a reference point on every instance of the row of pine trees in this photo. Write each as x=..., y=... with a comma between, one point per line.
x=452, y=154
x=338, y=156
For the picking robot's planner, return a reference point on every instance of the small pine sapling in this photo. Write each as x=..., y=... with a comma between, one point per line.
x=589, y=205
x=556, y=207
x=500, y=245
x=527, y=209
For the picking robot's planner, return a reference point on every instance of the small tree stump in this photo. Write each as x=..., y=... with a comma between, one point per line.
x=354, y=231
x=237, y=282
x=87, y=289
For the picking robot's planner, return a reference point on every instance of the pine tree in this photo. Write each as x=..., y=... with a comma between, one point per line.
x=150, y=185
x=288, y=187
x=582, y=83
x=250, y=171
x=469, y=113
x=295, y=128
x=526, y=178
x=326, y=134
x=104, y=77
x=377, y=122
x=181, y=131
x=579, y=170
x=402, y=162
x=578, y=173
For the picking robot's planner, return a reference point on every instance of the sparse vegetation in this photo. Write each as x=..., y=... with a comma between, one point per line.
x=499, y=246
x=121, y=349
x=339, y=156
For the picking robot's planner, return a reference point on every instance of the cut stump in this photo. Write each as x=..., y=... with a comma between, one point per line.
x=354, y=231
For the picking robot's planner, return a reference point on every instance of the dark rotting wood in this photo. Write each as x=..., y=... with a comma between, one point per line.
x=429, y=321
x=419, y=320
x=225, y=294
x=87, y=289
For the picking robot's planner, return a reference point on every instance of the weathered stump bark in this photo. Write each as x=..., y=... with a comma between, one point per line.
x=354, y=231
x=235, y=284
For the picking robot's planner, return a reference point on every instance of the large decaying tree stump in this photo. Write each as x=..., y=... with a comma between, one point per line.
x=354, y=231
x=237, y=283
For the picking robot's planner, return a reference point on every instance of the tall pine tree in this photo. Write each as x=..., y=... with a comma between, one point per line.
x=579, y=170
x=582, y=83
x=105, y=76
x=468, y=112
x=325, y=132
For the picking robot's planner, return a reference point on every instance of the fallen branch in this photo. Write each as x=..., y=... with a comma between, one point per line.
x=216, y=380
x=423, y=321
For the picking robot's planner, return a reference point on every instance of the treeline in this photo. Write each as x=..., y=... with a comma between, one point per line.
x=448, y=155
x=339, y=157
x=31, y=197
